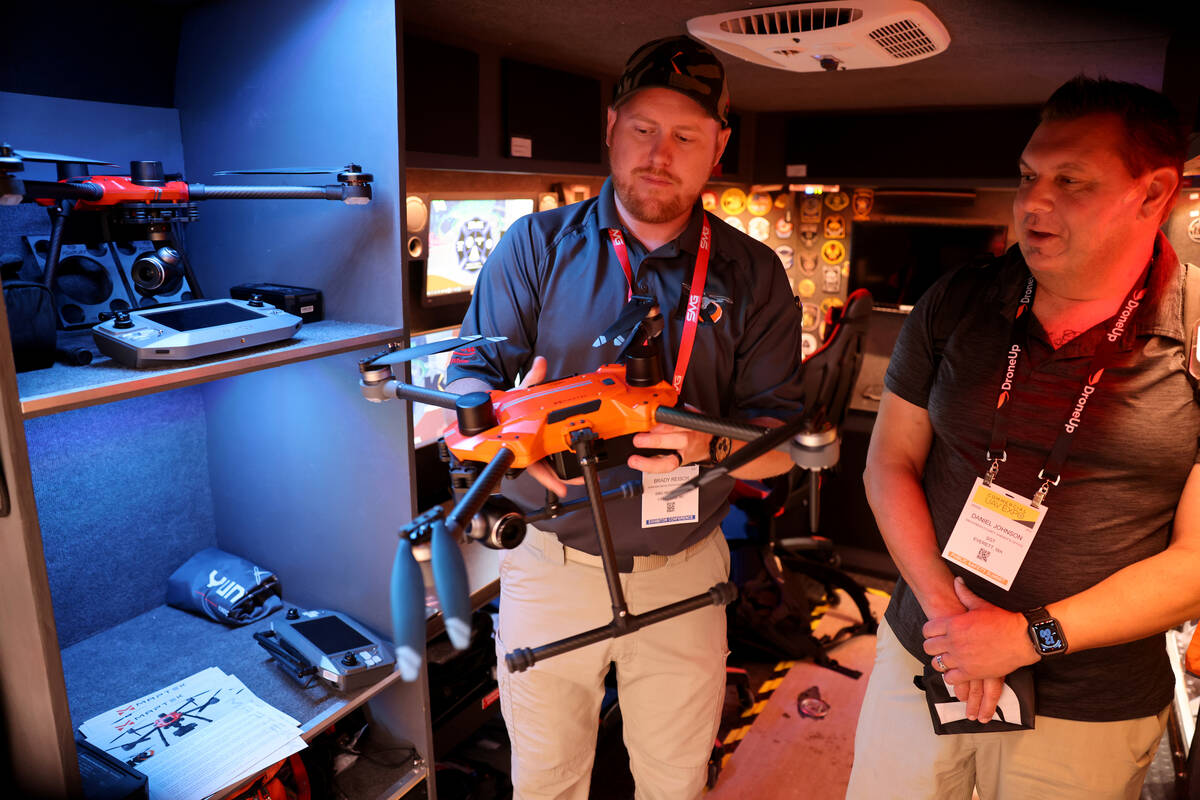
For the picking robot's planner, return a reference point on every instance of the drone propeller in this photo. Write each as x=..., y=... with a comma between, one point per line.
x=443, y=530
x=408, y=611
x=282, y=171
x=632, y=313
x=450, y=582
x=55, y=158
x=348, y=168
x=433, y=348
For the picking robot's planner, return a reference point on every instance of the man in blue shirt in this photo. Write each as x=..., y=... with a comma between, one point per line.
x=554, y=283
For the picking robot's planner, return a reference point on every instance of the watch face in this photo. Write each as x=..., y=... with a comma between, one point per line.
x=1049, y=639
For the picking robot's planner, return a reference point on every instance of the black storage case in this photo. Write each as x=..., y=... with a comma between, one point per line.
x=108, y=778
x=307, y=304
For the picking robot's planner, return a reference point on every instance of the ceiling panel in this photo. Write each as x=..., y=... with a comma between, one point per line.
x=1002, y=52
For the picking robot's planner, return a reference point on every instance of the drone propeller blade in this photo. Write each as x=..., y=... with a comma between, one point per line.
x=631, y=314
x=55, y=158
x=433, y=348
x=408, y=611
x=777, y=437
x=450, y=580
x=281, y=171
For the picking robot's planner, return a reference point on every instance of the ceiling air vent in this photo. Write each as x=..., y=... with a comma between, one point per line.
x=904, y=40
x=791, y=20
x=828, y=35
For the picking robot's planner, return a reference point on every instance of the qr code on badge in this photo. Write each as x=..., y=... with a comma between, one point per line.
x=983, y=554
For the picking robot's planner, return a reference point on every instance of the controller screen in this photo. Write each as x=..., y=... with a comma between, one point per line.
x=330, y=634
x=197, y=317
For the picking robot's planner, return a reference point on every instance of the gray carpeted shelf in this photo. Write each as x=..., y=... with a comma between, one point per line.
x=165, y=645
x=59, y=388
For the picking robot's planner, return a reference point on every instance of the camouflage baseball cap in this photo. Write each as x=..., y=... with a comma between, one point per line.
x=682, y=64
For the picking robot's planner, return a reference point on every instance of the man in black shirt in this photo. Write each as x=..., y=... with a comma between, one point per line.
x=731, y=339
x=1032, y=473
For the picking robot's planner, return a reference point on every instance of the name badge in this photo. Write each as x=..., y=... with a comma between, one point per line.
x=993, y=533
x=657, y=511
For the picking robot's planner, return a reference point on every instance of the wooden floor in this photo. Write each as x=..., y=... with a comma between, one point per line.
x=785, y=755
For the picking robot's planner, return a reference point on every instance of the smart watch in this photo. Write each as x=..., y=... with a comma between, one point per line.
x=718, y=449
x=1045, y=632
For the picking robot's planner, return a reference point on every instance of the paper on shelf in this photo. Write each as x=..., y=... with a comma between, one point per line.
x=196, y=736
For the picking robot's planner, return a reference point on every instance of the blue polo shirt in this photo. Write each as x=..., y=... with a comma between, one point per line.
x=553, y=284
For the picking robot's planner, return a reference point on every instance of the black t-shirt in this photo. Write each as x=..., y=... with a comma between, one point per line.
x=554, y=284
x=1120, y=486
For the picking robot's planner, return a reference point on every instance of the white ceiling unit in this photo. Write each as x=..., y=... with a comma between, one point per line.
x=816, y=36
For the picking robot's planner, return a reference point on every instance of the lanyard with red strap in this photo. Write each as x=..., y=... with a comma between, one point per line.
x=692, y=317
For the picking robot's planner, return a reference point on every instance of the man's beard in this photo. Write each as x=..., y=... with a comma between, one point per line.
x=646, y=209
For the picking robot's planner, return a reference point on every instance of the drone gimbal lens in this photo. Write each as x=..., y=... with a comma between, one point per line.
x=158, y=272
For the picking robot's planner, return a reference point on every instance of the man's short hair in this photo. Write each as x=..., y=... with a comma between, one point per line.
x=1154, y=136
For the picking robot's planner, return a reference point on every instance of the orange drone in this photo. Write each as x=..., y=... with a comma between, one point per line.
x=583, y=422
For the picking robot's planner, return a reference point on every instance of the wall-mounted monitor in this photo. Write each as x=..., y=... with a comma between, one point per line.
x=463, y=232
x=897, y=261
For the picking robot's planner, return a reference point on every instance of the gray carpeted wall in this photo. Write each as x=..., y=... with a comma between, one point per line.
x=123, y=499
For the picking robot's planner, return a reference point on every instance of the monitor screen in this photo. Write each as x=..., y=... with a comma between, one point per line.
x=897, y=261
x=462, y=234
x=430, y=373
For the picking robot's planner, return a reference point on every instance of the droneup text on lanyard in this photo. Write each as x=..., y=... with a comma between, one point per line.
x=996, y=526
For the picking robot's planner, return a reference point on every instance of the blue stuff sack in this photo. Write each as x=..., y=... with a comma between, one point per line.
x=224, y=587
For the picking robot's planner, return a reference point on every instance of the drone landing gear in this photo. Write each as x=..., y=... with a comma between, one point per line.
x=622, y=622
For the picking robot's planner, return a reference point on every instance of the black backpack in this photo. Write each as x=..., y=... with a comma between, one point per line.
x=31, y=321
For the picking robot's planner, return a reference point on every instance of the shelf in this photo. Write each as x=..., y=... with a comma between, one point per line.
x=166, y=644
x=367, y=779
x=62, y=388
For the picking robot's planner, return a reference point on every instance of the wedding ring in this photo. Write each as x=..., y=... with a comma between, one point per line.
x=938, y=663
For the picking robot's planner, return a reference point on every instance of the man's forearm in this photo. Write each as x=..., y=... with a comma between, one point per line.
x=773, y=462
x=901, y=511
x=1142, y=599
x=468, y=385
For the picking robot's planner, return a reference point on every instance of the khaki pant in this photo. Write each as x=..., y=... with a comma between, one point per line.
x=670, y=675
x=897, y=755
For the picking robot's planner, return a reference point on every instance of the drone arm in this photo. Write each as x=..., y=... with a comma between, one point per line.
x=774, y=438
x=683, y=418
x=430, y=397
x=198, y=191
x=556, y=510
x=53, y=190
x=484, y=486
x=58, y=223
x=353, y=194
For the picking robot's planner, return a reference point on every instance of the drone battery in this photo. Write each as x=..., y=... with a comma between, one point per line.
x=609, y=453
x=307, y=304
x=105, y=777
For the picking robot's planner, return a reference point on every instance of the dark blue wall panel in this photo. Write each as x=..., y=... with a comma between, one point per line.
x=285, y=84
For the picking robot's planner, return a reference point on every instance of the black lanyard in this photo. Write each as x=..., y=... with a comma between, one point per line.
x=1117, y=325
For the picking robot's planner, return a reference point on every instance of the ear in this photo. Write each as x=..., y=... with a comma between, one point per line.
x=608, y=128
x=1162, y=189
x=722, y=140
